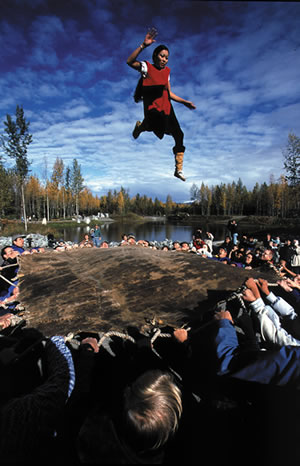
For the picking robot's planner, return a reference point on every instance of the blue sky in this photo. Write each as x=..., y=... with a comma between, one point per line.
x=239, y=62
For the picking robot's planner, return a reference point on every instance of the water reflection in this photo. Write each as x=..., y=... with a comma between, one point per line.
x=159, y=231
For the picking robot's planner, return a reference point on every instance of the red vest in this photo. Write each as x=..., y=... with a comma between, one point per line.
x=160, y=78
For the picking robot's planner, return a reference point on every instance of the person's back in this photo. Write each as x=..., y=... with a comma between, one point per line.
x=35, y=379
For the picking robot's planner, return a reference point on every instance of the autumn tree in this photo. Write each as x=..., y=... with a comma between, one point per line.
x=15, y=143
x=120, y=203
x=57, y=181
x=169, y=204
x=6, y=191
x=33, y=195
x=291, y=155
x=68, y=193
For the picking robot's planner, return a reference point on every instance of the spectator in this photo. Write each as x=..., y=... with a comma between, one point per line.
x=198, y=243
x=31, y=404
x=267, y=240
x=232, y=228
x=176, y=246
x=221, y=256
x=249, y=261
x=97, y=236
x=204, y=251
x=198, y=234
x=295, y=259
x=124, y=239
x=18, y=245
x=86, y=242
x=8, y=273
x=209, y=237
x=152, y=409
x=265, y=260
x=286, y=252
x=184, y=245
x=272, y=316
x=228, y=244
x=131, y=240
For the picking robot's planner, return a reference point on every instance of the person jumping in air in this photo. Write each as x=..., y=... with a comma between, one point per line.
x=155, y=91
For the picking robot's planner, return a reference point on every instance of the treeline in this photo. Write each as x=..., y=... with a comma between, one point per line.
x=273, y=199
x=62, y=194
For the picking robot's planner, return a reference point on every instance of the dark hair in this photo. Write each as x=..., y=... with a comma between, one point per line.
x=158, y=49
x=3, y=251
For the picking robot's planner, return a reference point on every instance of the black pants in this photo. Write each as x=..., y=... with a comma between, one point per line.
x=160, y=124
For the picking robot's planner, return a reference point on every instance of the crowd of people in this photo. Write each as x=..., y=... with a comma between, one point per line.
x=271, y=253
x=140, y=399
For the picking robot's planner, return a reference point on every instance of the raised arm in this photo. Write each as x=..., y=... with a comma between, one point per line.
x=149, y=39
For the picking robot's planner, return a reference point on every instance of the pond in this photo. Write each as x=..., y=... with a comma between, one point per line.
x=151, y=231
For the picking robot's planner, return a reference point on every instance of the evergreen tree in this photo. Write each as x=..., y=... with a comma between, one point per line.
x=76, y=183
x=15, y=144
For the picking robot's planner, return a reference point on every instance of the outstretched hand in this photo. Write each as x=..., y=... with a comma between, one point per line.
x=190, y=105
x=150, y=37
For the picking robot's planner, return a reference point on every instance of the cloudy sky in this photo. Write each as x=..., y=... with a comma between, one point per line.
x=64, y=61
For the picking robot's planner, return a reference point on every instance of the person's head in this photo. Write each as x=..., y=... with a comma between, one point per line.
x=176, y=245
x=18, y=240
x=152, y=410
x=222, y=252
x=124, y=237
x=185, y=246
x=160, y=56
x=248, y=259
x=104, y=244
x=198, y=234
x=96, y=227
x=131, y=239
x=267, y=255
x=9, y=254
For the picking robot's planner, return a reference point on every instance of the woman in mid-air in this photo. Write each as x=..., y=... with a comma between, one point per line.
x=155, y=91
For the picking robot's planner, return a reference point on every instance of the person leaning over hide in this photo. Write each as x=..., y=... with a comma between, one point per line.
x=37, y=377
x=127, y=406
x=155, y=91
